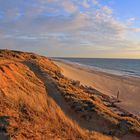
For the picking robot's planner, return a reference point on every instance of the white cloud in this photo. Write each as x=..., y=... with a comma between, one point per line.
x=134, y=29
x=86, y=3
x=107, y=10
x=69, y=6
x=95, y=2
x=130, y=20
x=61, y=23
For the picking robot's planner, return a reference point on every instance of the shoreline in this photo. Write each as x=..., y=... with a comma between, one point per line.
x=124, y=73
x=106, y=83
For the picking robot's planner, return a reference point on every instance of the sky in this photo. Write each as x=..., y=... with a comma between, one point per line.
x=72, y=28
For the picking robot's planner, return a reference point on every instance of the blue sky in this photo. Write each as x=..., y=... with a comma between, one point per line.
x=72, y=28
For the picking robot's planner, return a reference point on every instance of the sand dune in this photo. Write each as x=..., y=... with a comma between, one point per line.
x=27, y=109
x=128, y=87
x=38, y=102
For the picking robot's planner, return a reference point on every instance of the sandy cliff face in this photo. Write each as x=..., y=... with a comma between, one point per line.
x=38, y=102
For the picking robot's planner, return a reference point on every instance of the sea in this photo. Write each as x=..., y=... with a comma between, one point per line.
x=126, y=67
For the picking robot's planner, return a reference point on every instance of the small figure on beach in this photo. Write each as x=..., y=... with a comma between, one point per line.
x=118, y=94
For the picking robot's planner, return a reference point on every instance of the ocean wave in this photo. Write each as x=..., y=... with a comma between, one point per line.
x=111, y=70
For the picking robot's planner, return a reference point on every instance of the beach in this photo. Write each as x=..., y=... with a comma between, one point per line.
x=128, y=87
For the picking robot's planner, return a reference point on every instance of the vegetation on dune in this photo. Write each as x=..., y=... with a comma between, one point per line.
x=38, y=102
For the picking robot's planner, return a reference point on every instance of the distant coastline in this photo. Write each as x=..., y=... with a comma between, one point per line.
x=120, y=67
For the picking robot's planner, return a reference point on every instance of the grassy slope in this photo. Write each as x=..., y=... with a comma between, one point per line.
x=28, y=112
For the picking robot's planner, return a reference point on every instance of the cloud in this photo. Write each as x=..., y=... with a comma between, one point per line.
x=69, y=6
x=95, y=2
x=71, y=23
x=86, y=3
x=134, y=29
x=107, y=10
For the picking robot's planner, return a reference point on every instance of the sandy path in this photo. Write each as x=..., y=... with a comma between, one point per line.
x=54, y=93
x=129, y=87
